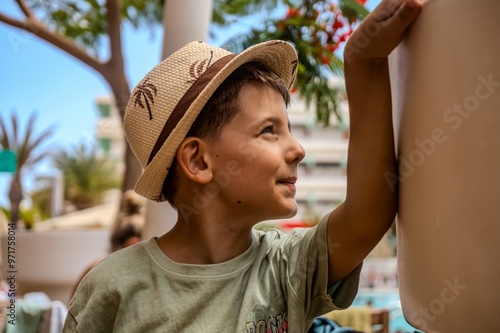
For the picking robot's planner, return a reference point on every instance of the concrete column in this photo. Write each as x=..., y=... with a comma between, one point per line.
x=446, y=84
x=183, y=21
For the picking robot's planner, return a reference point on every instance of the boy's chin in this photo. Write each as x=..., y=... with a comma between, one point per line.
x=288, y=212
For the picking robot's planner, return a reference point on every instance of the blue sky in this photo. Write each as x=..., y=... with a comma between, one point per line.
x=37, y=77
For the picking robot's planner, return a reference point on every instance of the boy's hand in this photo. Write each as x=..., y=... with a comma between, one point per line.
x=381, y=31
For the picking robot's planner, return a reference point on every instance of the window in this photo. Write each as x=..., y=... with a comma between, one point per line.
x=105, y=144
x=104, y=110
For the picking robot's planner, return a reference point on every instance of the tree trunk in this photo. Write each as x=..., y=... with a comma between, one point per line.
x=15, y=197
x=121, y=93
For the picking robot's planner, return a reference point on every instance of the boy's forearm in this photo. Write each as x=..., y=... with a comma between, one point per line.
x=356, y=226
x=371, y=201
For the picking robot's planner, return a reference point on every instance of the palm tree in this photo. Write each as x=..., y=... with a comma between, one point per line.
x=86, y=176
x=145, y=90
x=28, y=151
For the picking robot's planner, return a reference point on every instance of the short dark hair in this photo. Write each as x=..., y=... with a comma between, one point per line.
x=220, y=109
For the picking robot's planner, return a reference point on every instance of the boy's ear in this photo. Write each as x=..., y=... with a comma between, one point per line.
x=191, y=157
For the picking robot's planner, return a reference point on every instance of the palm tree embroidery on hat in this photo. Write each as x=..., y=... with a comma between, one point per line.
x=145, y=90
x=197, y=68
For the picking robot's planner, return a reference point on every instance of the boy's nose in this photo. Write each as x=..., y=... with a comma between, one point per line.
x=297, y=152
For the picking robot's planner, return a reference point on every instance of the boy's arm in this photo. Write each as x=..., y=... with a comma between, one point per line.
x=358, y=224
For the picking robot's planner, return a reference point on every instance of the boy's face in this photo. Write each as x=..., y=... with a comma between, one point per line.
x=256, y=157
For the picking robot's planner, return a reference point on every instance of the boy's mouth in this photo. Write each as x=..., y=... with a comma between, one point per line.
x=289, y=182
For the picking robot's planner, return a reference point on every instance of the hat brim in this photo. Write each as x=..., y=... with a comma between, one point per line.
x=279, y=56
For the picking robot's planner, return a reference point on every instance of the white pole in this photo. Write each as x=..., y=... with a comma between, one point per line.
x=57, y=194
x=446, y=86
x=183, y=21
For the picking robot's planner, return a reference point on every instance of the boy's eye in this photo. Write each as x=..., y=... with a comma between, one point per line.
x=268, y=129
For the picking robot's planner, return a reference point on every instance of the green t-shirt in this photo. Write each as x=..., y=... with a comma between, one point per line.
x=278, y=285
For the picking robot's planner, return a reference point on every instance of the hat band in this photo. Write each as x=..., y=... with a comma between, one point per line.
x=185, y=102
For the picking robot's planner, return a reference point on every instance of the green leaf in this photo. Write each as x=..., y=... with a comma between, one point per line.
x=85, y=20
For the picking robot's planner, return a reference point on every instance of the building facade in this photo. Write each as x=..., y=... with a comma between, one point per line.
x=109, y=133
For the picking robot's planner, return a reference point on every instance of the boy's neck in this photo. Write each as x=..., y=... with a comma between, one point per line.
x=204, y=243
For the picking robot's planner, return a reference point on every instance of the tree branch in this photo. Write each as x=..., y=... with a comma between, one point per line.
x=115, y=66
x=62, y=42
x=12, y=22
x=25, y=9
x=113, y=18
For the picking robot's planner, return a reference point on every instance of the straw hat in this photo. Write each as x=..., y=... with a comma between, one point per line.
x=164, y=105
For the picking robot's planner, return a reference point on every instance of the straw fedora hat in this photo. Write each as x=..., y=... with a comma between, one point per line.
x=164, y=105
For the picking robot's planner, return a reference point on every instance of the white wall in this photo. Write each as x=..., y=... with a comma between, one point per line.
x=52, y=261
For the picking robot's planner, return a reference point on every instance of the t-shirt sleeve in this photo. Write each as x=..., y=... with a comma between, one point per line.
x=95, y=304
x=69, y=324
x=305, y=253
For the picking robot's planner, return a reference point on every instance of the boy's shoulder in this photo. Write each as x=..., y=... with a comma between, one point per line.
x=119, y=264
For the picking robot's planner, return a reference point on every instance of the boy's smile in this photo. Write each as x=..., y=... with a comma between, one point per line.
x=259, y=141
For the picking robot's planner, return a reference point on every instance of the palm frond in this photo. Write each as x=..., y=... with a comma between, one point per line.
x=86, y=175
x=31, y=148
x=4, y=135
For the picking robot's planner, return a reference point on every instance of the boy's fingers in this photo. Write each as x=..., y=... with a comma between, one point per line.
x=388, y=9
x=399, y=21
x=407, y=13
x=399, y=12
x=382, y=30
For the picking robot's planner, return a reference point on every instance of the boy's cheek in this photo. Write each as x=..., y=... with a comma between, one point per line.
x=249, y=153
x=233, y=168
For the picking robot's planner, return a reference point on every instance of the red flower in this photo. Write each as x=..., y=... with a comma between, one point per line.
x=338, y=23
x=325, y=60
x=291, y=12
x=344, y=37
x=362, y=2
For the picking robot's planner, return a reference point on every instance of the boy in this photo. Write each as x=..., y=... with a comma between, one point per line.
x=211, y=131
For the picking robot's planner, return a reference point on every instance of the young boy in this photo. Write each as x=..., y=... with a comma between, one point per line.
x=211, y=131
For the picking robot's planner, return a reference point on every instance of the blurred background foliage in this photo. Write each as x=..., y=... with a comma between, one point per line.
x=86, y=176
x=316, y=28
